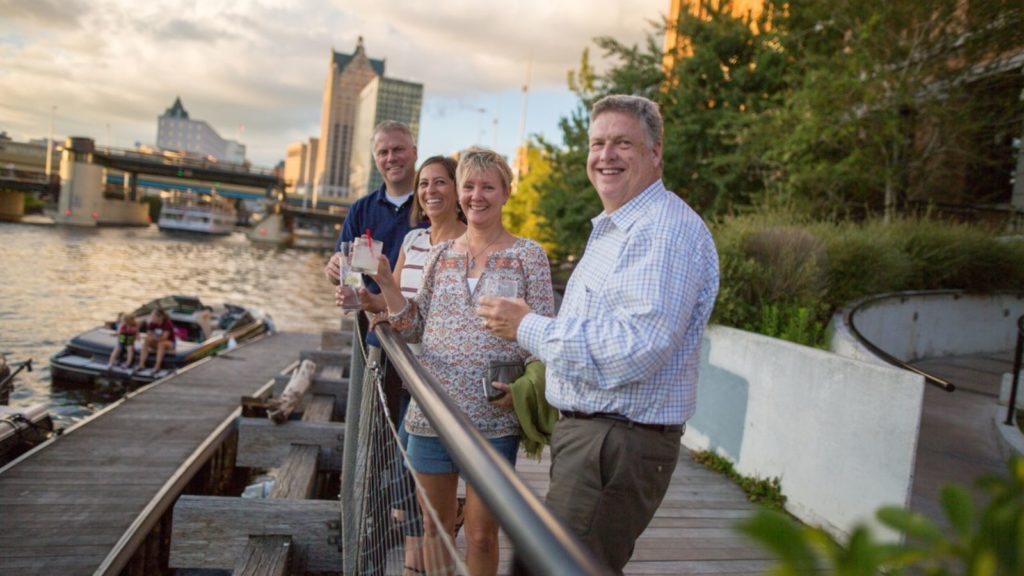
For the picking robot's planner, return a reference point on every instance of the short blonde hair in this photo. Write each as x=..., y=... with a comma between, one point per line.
x=475, y=160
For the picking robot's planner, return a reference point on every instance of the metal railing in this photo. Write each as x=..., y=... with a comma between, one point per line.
x=542, y=544
x=928, y=378
x=1012, y=408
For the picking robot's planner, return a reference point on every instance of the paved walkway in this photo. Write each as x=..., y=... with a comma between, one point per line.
x=958, y=441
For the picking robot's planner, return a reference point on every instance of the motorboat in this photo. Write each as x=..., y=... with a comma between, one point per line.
x=200, y=331
x=21, y=427
x=201, y=213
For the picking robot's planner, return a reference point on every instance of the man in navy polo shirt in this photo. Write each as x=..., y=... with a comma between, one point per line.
x=385, y=211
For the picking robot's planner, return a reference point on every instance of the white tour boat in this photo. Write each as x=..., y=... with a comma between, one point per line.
x=202, y=213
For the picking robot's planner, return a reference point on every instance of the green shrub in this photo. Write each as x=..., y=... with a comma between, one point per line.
x=784, y=277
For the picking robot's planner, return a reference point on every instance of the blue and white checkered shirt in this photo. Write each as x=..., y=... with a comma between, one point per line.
x=627, y=338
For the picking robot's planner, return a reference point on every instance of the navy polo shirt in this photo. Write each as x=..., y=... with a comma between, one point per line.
x=386, y=222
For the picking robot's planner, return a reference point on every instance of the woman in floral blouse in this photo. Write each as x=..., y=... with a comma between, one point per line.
x=457, y=349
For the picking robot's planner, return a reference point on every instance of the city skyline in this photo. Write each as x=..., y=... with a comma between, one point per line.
x=255, y=70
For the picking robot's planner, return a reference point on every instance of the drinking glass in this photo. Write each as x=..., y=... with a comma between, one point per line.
x=499, y=288
x=365, y=255
x=349, y=281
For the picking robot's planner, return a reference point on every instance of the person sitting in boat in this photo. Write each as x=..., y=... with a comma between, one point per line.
x=159, y=337
x=127, y=330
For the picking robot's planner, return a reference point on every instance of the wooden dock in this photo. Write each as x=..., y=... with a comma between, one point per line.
x=691, y=533
x=84, y=503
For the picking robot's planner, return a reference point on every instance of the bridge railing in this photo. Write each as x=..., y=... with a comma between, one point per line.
x=542, y=544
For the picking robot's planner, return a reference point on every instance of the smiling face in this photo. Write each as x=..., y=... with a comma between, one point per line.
x=621, y=162
x=436, y=192
x=482, y=194
x=395, y=156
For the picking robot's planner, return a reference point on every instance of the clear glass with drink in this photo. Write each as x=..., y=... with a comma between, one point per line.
x=350, y=281
x=365, y=254
x=499, y=288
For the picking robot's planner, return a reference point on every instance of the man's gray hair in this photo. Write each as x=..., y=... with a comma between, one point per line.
x=391, y=126
x=644, y=110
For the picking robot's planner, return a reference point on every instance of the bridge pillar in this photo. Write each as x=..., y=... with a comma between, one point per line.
x=81, y=200
x=131, y=186
x=12, y=205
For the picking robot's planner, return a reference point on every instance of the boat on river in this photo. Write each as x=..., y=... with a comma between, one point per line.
x=21, y=427
x=199, y=213
x=200, y=331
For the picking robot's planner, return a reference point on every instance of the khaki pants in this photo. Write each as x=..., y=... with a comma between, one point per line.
x=607, y=480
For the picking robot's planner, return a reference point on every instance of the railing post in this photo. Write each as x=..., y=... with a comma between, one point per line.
x=1012, y=408
x=349, y=519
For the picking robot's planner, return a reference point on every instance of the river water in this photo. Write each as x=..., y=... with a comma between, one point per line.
x=56, y=282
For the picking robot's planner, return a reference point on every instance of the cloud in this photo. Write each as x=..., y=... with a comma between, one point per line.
x=262, y=63
x=60, y=14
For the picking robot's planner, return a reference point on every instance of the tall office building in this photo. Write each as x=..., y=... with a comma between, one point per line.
x=382, y=99
x=348, y=75
x=176, y=131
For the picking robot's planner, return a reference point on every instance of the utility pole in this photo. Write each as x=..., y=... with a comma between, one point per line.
x=522, y=129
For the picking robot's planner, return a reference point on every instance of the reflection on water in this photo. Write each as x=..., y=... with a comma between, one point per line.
x=56, y=282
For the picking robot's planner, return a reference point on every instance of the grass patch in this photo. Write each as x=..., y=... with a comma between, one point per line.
x=767, y=492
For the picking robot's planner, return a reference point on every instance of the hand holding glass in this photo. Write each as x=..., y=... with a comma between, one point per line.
x=365, y=255
x=351, y=280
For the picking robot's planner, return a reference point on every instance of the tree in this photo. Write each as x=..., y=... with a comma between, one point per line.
x=520, y=215
x=727, y=71
x=885, y=104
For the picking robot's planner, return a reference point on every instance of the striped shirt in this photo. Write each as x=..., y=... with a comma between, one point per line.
x=627, y=338
x=416, y=248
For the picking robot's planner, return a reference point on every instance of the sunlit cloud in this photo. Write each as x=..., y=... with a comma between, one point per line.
x=113, y=66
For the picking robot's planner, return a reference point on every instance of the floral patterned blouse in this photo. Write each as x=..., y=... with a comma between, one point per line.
x=456, y=348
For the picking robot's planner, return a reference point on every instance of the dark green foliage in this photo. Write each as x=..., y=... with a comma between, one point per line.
x=988, y=542
x=784, y=278
x=839, y=109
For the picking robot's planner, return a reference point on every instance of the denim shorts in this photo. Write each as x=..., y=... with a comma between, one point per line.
x=427, y=454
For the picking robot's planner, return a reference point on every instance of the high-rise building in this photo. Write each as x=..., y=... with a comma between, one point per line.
x=300, y=167
x=344, y=104
x=176, y=131
x=382, y=99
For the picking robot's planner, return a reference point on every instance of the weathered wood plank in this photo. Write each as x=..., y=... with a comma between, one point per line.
x=296, y=479
x=335, y=340
x=264, y=556
x=263, y=444
x=212, y=532
x=319, y=409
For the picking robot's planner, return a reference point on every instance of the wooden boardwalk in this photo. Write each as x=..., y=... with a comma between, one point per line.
x=958, y=440
x=81, y=503
x=692, y=532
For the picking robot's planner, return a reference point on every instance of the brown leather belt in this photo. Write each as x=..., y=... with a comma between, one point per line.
x=620, y=418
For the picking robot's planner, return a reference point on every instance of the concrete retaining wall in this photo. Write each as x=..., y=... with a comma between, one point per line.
x=916, y=325
x=839, y=433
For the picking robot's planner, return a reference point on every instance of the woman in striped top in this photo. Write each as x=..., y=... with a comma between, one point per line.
x=436, y=200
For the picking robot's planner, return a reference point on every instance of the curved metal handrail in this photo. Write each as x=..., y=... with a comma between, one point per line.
x=928, y=377
x=542, y=542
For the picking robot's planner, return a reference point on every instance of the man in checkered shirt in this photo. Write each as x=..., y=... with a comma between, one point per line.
x=622, y=354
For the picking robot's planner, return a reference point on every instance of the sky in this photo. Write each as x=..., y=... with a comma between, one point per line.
x=255, y=70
